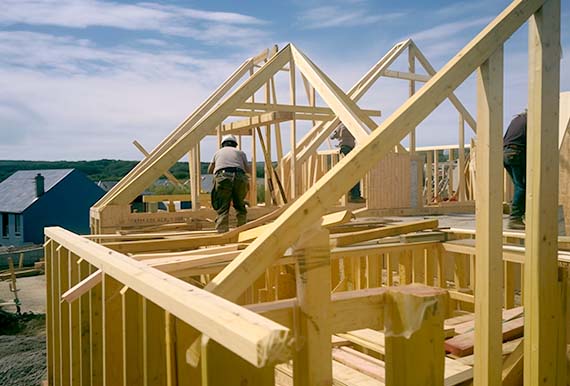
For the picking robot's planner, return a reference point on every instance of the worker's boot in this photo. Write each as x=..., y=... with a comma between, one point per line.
x=516, y=223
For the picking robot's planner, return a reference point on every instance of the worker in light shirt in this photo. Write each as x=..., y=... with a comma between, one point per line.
x=231, y=182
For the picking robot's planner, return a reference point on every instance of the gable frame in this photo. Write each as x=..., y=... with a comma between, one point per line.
x=159, y=161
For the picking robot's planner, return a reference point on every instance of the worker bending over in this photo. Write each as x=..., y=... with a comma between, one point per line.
x=231, y=182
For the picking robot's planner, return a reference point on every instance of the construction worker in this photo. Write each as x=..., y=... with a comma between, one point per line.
x=514, y=160
x=231, y=182
x=346, y=144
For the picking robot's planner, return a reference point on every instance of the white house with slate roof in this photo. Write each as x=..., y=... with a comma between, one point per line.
x=33, y=199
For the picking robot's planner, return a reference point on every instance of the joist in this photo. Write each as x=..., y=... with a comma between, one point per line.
x=173, y=264
x=183, y=242
x=329, y=221
x=344, y=239
x=171, y=244
x=207, y=251
x=146, y=236
x=511, y=253
x=244, y=126
x=213, y=268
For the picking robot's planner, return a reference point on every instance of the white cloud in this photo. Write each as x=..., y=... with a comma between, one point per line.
x=461, y=8
x=444, y=31
x=205, y=26
x=67, y=55
x=340, y=16
x=68, y=98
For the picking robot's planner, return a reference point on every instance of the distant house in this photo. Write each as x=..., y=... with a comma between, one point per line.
x=33, y=199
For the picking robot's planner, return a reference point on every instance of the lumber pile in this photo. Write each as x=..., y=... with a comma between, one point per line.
x=358, y=360
x=462, y=344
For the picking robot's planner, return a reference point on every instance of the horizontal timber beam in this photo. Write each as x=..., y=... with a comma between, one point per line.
x=406, y=76
x=244, y=126
x=343, y=239
x=350, y=310
x=299, y=109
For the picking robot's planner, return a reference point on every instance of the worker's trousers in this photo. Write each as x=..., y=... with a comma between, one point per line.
x=229, y=187
x=514, y=161
x=355, y=191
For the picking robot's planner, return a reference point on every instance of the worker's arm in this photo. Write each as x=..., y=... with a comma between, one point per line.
x=246, y=164
x=211, y=168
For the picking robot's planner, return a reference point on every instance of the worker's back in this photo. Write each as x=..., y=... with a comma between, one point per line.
x=230, y=157
x=516, y=132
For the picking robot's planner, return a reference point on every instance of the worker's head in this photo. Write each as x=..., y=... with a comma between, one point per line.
x=229, y=140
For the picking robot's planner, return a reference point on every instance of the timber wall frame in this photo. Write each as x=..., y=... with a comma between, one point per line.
x=544, y=288
x=113, y=320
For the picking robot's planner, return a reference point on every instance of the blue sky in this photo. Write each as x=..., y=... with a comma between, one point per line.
x=81, y=79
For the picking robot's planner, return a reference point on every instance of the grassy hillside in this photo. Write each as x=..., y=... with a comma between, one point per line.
x=104, y=169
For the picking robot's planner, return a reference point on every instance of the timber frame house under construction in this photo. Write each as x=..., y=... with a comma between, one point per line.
x=306, y=295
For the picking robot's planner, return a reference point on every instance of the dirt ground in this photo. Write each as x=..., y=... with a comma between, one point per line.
x=22, y=337
x=22, y=349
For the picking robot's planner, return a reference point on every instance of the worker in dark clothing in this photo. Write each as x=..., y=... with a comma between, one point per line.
x=231, y=182
x=514, y=160
x=346, y=143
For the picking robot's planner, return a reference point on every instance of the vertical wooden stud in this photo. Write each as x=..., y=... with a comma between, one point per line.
x=74, y=325
x=131, y=323
x=64, y=332
x=112, y=332
x=221, y=367
x=96, y=333
x=293, y=159
x=312, y=362
x=154, y=344
x=414, y=356
x=544, y=359
x=84, y=327
x=489, y=221
x=51, y=303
